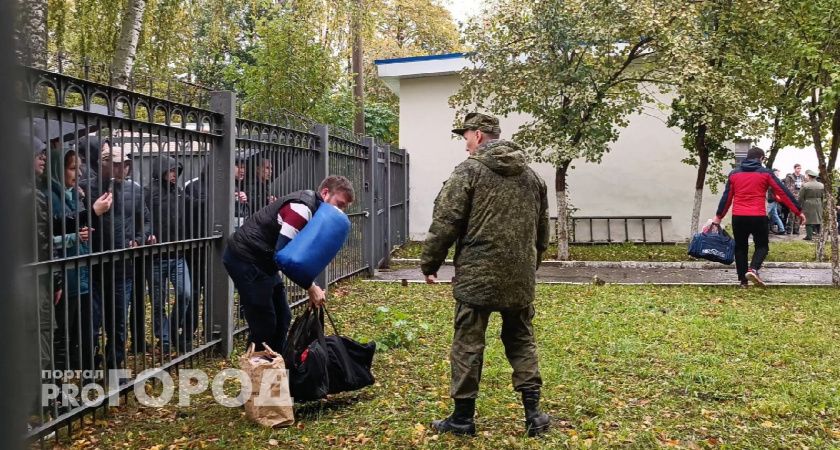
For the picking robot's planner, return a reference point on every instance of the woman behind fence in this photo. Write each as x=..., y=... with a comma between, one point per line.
x=78, y=309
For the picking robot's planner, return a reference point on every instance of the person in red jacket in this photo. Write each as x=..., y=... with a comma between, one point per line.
x=746, y=190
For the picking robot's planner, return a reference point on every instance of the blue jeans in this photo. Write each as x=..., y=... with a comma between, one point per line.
x=263, y=299
x=774, y=217
x=175, y=271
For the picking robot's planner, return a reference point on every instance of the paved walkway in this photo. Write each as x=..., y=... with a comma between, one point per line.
x=641, y=273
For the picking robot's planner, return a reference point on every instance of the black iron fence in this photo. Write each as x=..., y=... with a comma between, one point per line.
x=133, y=198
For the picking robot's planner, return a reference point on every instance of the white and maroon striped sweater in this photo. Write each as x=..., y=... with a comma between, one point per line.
x=292, y=217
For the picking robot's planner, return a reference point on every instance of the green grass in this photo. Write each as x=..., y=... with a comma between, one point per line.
x=779, y=251
x=637, y=367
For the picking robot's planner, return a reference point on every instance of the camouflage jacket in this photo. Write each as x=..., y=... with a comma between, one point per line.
x=494, y=208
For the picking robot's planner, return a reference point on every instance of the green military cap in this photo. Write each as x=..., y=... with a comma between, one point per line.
x=481, y=122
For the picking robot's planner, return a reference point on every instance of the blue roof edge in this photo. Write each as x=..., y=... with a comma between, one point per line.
x=380, y=62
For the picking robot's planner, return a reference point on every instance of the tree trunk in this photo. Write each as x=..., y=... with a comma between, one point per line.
x=830, y=183
x=777, y=138
x=702, y=168
x=31, y=39
x=562, y=225
x=835, y=241
x=358, y=72
x=123, y=61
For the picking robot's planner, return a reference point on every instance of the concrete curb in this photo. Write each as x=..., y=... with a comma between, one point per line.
x=652, y=264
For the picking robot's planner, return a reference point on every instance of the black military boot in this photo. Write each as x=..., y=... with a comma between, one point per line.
x=461, y=421
x=536, y=422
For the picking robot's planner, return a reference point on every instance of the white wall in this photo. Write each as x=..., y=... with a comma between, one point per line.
x=642, y=175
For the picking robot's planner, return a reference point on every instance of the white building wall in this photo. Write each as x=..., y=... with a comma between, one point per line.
x=642, y=175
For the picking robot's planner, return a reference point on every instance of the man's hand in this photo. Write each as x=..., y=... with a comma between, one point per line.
x=272, y=199
x=431, y=279
x=84, y=234
x=151, y=240
x=802, y=218
x=103, y=203
x=241, y=197
x=316, y=296
x=716, y=220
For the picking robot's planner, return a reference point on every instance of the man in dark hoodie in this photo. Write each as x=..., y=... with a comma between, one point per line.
x=746, y=189
x=171, y=211
x=494, y=208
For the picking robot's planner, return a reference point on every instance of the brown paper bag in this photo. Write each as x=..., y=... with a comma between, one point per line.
x=277, y=411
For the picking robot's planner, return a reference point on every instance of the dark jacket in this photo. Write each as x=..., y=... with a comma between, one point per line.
x=127, y=220
x=746, y=191
x=89, y=149
x=172, y=211
x=259, y=193
x=494, y=208
x=196, y=225
x=256, y=240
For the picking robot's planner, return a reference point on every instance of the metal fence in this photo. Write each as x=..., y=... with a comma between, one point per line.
x=133, y=198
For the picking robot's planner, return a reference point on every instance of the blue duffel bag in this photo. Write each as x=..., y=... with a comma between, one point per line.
x=309, y=253
x=713, y=244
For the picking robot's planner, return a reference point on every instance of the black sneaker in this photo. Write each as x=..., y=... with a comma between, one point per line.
x=752, y=275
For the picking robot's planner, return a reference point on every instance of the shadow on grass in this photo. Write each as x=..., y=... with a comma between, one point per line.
x=315, y=409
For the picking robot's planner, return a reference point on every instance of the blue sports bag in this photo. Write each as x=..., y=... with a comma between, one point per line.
x=713, y=244
x=311, y=251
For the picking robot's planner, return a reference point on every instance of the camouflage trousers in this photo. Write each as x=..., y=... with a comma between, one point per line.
x=467, y=357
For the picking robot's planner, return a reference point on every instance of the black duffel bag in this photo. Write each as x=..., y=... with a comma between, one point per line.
x=328, y=364
x=349, y=362
x=306, y=358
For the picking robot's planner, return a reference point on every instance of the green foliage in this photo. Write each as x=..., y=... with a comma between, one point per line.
x=291, y=70
x=716, y=97
x=397, y=329
x=573, y=66
x=288, y=57
x=783, y=251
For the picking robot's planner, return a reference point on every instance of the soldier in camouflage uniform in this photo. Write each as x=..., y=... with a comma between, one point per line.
x=495, y=210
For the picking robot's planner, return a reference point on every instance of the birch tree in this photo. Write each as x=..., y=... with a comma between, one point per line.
x=126, y=51
x=31, y=36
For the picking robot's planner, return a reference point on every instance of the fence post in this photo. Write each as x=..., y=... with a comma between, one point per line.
x=322, y=171
x=405, y=196
x=221, y=298
x=388, y=248
x=368, y=243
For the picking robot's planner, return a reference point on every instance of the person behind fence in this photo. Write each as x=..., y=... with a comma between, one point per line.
x=494, y=208
x=258, y=183
x=196, y=227
x=141, y=283
x=78, y=309
x=811, y=198
x=39, y=318
x=171, y=210
x=746, y=190
x=241, y=208
x=126, y=225
x=773, y=207
x=794, y=182
x=249, y=258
